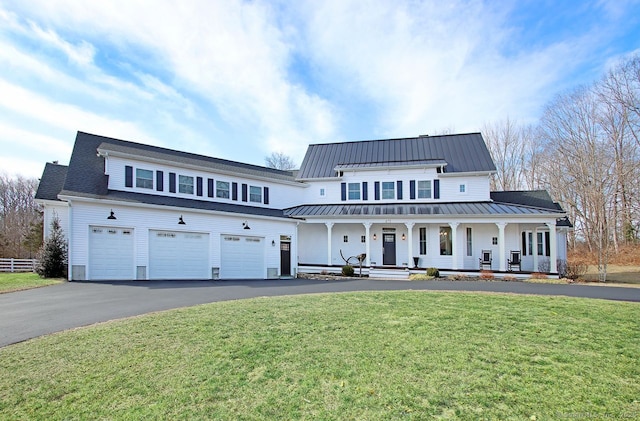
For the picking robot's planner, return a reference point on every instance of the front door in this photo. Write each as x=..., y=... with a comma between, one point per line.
x=389, y=249
x=285, y=259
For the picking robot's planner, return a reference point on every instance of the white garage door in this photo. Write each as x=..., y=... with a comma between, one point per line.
x=242, y=257
x=178, y=255
x=110, y=253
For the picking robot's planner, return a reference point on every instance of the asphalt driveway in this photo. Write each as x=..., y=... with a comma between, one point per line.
x=29, y=314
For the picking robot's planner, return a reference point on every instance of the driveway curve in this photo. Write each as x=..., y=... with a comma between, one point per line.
x=28, y=314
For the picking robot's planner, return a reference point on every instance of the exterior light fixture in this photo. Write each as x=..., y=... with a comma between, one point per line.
x=246, y=226
x=181, y=221
x=403, y=237
x=375, y=237
x=111, y=215
x=273, y=243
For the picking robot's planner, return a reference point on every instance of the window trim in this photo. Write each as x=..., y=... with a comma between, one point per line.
x=353, y=191
x=144, y=183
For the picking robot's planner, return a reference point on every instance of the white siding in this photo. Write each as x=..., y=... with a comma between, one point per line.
x=51, y=210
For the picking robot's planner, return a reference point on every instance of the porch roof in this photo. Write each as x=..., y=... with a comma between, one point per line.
x=459, y=208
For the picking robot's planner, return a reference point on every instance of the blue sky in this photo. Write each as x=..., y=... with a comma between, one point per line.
x=241, y=79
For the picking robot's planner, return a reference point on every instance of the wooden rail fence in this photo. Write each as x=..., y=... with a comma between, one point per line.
x=17, y=265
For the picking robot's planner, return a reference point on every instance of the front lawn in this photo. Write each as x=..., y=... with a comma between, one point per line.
x=18, y=281
x=371, y=355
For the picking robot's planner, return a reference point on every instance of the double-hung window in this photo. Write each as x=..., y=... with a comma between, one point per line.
x=424, y=189
x=144, y=178
x=423, y=241
x=446, y=246
x=185, y=184
x=222, y=189
x=255, y=194
x=354, y=191
x=388, y=190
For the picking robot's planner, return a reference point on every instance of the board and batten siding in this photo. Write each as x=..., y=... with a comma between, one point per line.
x=142, y=220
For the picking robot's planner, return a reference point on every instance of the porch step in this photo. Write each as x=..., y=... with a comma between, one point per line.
x=388, y=273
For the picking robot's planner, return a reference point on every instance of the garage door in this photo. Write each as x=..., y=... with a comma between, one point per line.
x=242, y=257
x=178, y=255
x=110, y=253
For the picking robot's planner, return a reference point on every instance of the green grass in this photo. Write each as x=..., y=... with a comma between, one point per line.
x=366, y=356
x=18, y=281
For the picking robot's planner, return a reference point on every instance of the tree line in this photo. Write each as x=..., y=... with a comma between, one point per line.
x=20, y=217
x=584, y=150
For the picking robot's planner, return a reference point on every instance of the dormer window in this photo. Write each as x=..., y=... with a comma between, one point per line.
x=424, y=189
x=222, y=189
x=388, y=190
x=144, y=178
x=185, y=184
x=255, y=194
x=354, y=191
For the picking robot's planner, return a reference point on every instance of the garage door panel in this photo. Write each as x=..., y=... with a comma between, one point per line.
x=178, y=255
x=242, y=257
x=111, y=255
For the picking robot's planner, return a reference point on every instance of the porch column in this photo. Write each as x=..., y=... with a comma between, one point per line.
x=367, y=243
x=409, y=226
x=502, y=267
x=454, y=244
x=535, y=249
x=553, y=248
x=329, y=226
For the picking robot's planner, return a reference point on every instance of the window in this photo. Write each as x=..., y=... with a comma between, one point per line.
x=345, y=239
x=424, y=189
x=363, y=239
x=423, y=241
x=255, y=194
x=144, y=178
x=222, y=189
x=322, y=192
x=469, y=242
x=540, y=244
x=494, y=241
x=463, y=188
x=446, y=247
x=185, y=184
x=388, y=190
x=354, y=191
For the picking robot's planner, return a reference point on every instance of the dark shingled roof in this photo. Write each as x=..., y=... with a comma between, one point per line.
x=533, y=198
x=461, y=152
x=413, y=209
x=86, y=178
x=51, y=182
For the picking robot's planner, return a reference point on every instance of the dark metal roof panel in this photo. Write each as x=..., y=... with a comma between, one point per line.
x=532, y=198
x=463, y=153
x=460, y=208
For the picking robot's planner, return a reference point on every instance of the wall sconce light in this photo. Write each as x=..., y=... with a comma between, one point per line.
x=181, y=221
x=273, y=243
x=246, y=226
x=375, y=237
x=111, y=215
x=403, y=237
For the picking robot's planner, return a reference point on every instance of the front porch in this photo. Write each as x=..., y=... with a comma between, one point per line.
x=403, y=273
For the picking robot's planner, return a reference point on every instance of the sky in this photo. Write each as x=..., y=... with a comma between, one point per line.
x=241, y=79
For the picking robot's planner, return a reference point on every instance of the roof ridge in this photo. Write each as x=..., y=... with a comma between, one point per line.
x=395, y=138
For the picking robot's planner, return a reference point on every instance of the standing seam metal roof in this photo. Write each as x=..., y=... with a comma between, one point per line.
x=462, y=152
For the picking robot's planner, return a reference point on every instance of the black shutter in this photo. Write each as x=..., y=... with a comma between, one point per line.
x=547, y=241
x=159, y=180
x=376, y=190
x=234, y=191
x=266, y=195
x=524, y=243
x=244, y=192
x=365, y=190
x=412, y=189
x=128, y=176
x=210, y=187
x=199, y=186
x=436, y=189
x=172, y=182
x=343, y=190
x=399, y=188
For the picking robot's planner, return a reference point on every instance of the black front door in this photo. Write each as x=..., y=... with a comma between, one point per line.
x=389, y=249
x=285, y=259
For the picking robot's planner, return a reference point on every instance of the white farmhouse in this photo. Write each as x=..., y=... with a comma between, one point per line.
x=134, y=211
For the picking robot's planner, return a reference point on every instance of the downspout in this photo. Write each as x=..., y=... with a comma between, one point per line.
x=70, y=234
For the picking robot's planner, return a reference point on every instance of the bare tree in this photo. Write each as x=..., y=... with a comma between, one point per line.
x=18, y=214
x=280, y=161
